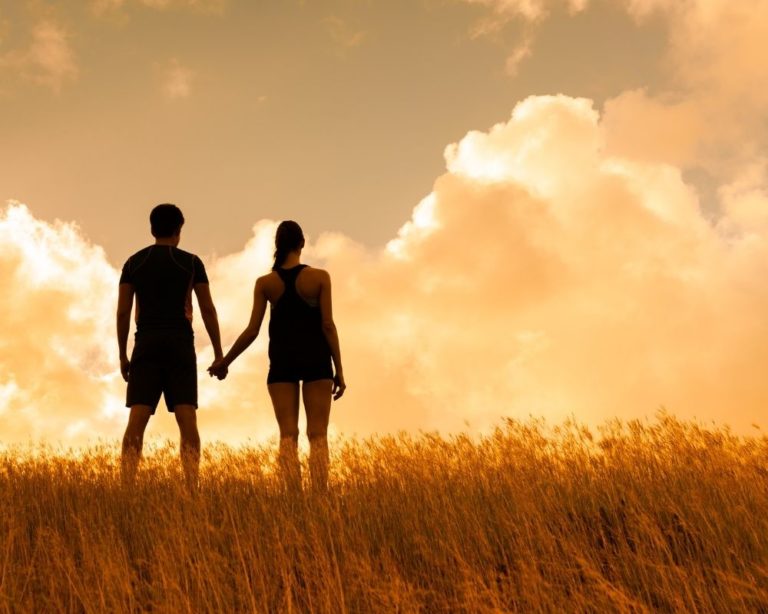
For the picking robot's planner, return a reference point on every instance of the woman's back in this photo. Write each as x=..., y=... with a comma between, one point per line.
x=307, y=282
x=296, y=334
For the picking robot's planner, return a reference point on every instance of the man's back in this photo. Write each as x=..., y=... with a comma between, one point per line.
x=163, y=277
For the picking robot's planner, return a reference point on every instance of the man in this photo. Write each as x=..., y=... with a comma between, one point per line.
x=163, y=361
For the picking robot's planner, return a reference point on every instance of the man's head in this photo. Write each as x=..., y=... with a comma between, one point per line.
x=166, y=221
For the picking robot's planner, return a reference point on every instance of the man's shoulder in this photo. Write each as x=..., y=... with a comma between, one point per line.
x=187, y=260
x=184, y=254
x=137, y=257
x=144, y=251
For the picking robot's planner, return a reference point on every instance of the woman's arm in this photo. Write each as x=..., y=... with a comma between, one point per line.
x=248, y=335
x=331, y=334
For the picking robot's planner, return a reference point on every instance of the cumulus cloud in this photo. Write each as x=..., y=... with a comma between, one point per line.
x=541, y=275
x=48, y=60
x=57, y=374
x=708, y=108
x=544, y=274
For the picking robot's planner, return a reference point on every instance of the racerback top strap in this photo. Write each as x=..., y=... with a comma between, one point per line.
x=288, y=276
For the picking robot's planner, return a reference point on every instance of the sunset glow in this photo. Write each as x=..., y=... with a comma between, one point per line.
x=585, y=235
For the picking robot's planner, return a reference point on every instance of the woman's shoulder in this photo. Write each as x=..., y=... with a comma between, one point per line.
x=267, y=280
x=315, y=273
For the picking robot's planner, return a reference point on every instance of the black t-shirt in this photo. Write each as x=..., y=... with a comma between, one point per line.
x=163, y=277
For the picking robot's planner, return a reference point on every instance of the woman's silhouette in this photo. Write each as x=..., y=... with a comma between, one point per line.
x=302, y=343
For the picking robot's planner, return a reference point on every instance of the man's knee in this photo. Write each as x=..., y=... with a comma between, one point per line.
x=138, y=418
x=186, y=415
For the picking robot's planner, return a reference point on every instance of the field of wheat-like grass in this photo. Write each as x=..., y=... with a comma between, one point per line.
x=664, y=516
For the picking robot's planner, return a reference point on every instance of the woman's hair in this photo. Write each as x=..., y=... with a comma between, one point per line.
x=288, y=237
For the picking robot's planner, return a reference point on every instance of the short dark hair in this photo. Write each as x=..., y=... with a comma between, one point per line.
x=166, y=220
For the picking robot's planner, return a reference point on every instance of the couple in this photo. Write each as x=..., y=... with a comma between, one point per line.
x=302, y=344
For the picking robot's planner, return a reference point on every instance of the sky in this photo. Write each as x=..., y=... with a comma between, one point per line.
x=549, y=208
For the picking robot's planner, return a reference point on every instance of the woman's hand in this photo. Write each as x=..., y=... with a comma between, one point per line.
x=339, y=386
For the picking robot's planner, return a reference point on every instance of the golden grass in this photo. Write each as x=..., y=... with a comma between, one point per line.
x=666, y=516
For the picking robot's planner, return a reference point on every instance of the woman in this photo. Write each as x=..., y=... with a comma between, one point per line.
x=302, y=343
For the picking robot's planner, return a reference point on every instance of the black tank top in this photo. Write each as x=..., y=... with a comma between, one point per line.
x=163, y=277
x=295, y=327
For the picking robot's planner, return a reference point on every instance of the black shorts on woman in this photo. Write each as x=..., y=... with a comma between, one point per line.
x=298, y=349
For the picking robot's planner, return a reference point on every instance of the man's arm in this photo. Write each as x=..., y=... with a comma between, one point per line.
x=210, y=318
x=124, y=307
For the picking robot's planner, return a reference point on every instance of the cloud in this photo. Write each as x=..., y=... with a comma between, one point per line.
x=101, y=7
x=531, y=13
x=544, y=274
x=501, y=12
x=48, y=60
x=344, y=36
x=56, y=359
x=177, y=80
x=521, y=52
x=711, y=101
x=708, y=105
x=504, y=10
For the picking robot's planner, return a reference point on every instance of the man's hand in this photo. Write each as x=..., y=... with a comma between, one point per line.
x=218, y=369
x=125, y=367
x=339, y=386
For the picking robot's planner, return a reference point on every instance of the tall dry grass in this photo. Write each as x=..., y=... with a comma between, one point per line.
x=666, y=516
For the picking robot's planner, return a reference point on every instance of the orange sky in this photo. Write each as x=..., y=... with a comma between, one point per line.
x=528, y=207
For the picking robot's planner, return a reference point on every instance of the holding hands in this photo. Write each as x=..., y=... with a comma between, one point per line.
x=218, y=368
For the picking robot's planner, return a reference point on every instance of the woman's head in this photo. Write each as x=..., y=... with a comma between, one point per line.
x=288, y=238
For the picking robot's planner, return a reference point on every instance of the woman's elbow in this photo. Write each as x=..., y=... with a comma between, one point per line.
x=329, y=327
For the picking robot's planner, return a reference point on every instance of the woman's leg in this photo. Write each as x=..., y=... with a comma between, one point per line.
x=317, y=403
x=285, y=400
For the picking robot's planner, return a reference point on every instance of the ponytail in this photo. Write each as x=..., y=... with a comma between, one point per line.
x=289, y=237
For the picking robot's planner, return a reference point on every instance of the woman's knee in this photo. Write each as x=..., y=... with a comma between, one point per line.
x=317, y=434
x=289, y=435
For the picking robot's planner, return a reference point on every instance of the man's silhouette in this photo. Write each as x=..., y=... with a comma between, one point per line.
x=163, y=361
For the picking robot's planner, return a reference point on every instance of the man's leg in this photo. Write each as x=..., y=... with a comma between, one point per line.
x=285, y=400
x=133, y=441
x=317, y=404
x=186, y=418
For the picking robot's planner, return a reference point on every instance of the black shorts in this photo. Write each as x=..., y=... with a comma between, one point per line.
x=294, y=372
x=163, y=363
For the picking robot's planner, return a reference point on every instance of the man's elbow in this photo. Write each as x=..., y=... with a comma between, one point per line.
x=329, y=327
x=209, y=313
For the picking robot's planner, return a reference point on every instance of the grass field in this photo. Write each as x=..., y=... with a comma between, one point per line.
x=666, y=516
